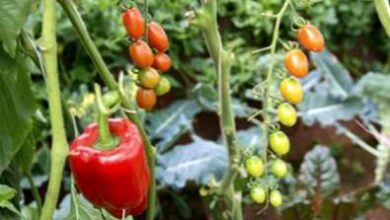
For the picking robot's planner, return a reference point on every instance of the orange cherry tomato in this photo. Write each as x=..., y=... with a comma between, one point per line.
x=291, y=90
x=162, y=62
x=149, y=78
x=134, y=23
x=311, y=38
x=146, y=98
x=141, y=54
x=296, y=63
x=157, y=38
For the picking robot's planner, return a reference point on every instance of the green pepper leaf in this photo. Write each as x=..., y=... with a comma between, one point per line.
x=13, y=14
x=6, y=194
x=17, y=107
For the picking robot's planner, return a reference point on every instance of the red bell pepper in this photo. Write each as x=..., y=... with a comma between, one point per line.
x=117, y=179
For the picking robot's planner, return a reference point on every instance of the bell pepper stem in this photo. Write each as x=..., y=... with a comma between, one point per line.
x=105, y=139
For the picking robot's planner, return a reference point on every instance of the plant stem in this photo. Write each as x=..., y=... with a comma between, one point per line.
x=354, y=138
x=383, y=10
x=59, y=147
x=267, y=105
x=79, y=26
x=207, y=21
x=35, y=192
x=90, y=47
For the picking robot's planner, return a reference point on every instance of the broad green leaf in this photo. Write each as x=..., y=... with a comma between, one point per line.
x=170, y=123
x=17, y=107
x=6, y=194
x=198, y=161
x=335, y=73
x=24, y=157
x=13, y=14
x=86, y=211
x=320, y=106
x=319, y=169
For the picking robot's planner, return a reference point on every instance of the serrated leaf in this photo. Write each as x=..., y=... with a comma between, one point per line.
x=320, y=106
x=13, y=14
x=17, y=107
x=319, y=169
x=198, y=161
x=166, y=124
x=337, y=75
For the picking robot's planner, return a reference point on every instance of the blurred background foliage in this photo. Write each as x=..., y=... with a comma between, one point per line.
x=184, y=126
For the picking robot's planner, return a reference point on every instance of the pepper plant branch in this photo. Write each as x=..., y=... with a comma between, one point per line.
x=79, y=26
x=59, y=147
x=268, y=101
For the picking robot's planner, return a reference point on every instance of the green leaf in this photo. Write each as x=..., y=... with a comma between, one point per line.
x=198, y=161
x=320, y=106
x=13, y=14
x=182, y=206
x=6, y=194
x=17, y=107
x=335, y=73
x=319, y=169
x=24, y=157
x=170, y=123
x=375, y=86
x=86, y=211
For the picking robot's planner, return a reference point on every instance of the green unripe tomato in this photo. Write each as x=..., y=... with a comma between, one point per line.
x=254, y=166
x=258, y=194
x=275, y=198
x=111, y=98
x=279, y=168
x=279, y=142
x=287, y=115
x=163, y=86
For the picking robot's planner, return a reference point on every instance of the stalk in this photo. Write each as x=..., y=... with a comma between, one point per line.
x=267, y=105
x=59, y=147
x=383, y=10
x=79, y=26
x=207, y=21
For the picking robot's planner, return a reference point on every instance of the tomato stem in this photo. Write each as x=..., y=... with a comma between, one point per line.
x=207, y=22
x=268, y=94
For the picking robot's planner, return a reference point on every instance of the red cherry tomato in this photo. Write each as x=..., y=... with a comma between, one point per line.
x=157, y=37
x=296, y=63
x=141, y=54
x=134, y=23
x=162, y=62
x=311, y=38
x=146, y=98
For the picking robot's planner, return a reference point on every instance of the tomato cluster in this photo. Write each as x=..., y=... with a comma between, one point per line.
x=297, y=64
x=148, y=56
